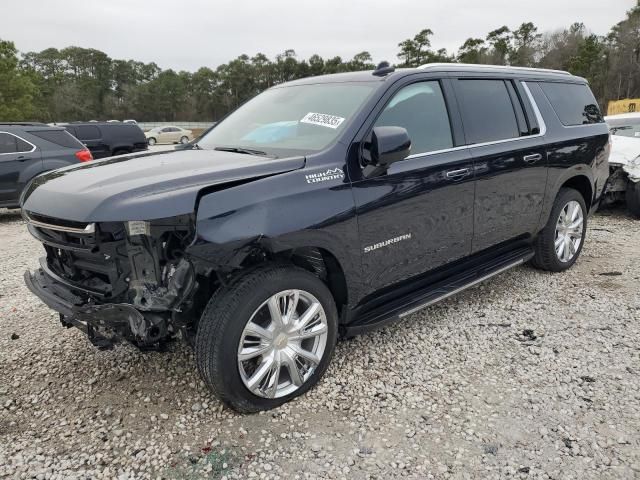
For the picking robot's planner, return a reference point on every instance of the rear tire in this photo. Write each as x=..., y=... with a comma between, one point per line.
x=633, y=198
x=225, y=335
x=559, y=235
x=151, y=141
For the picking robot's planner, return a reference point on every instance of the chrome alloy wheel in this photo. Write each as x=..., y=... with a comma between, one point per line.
x=282, y=344
x=569, y=231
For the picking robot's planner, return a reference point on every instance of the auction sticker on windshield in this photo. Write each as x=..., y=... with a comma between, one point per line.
x=322, y=119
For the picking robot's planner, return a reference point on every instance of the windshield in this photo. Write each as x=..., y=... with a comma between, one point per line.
x=293, y=120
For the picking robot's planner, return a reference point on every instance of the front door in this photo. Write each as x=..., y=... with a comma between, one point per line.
x=419, y=215
x=19, y=162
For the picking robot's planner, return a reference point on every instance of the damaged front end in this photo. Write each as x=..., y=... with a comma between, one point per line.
x=116, y=280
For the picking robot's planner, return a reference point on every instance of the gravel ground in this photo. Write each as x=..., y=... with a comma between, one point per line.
x=531, y=375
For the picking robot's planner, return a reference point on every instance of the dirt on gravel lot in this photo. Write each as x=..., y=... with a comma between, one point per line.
x=531, y=375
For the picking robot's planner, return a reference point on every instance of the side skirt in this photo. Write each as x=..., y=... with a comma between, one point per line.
x=417, y=300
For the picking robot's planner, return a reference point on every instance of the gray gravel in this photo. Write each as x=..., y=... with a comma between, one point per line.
x=531, y=375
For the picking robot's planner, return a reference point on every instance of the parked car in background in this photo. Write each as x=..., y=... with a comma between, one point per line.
x=169, y=134
x=28, y=149
x=109, y=138
x=624, y=168
x=625, y=124
x=130, y=121
x=188, y=145
x=327, y=205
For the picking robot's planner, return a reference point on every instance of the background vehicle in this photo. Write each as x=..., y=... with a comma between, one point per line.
x=188, y=145
x=168, y=135
x=28, y=149
x=624, y=124
x=326, y=205
x=107, y=139
x=624, y=178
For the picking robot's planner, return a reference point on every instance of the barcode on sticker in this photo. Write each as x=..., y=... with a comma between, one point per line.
x=322, y=119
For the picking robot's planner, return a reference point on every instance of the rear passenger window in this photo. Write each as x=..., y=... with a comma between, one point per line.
x=487, y=111
x=420, y=109
x=8, y=143
x=59, y=137
x=573, y=103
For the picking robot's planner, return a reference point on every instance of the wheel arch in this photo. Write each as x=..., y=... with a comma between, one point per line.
x=582, y=184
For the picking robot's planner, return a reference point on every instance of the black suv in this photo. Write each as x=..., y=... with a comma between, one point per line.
x=110, y=138
x=324, y=206
x=28, y=149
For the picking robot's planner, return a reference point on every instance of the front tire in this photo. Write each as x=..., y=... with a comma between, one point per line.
x=560, y=242
x=633, y=198
x=151, y=141
x=267, y=338
x=184, y=140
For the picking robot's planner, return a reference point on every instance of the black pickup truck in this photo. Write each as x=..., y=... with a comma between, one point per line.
x=324, y=207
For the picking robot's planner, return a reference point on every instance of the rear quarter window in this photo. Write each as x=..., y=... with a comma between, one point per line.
x=87, y=132
x=59, y=137
x=129, y=132
x=573, y=103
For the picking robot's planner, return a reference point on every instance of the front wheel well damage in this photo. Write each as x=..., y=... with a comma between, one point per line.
x=318, y=261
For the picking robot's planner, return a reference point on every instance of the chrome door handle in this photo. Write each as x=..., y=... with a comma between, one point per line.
x=533, y=158
x=458, y=174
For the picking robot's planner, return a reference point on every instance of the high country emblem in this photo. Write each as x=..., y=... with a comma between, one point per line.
x=331, y=174
x=391, y=241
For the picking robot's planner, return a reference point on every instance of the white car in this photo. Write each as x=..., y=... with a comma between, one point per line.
x=169, y=134
x=624, y=160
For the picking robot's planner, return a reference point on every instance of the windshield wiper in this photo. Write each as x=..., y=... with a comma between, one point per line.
x=247, y=151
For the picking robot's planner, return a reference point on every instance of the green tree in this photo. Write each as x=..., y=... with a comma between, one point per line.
x=17, y=89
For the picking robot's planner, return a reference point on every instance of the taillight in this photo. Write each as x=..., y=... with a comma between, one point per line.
x=84, y=155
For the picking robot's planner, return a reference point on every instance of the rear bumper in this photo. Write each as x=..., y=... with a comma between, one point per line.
x=102, y=322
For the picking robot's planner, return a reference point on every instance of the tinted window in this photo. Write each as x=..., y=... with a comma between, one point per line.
x=420, y=109
x=487, y=111
x=127, y=132
x=87, y=132
x=573, y=103
x=8, y=143
x=59, y=137
x=23, y=146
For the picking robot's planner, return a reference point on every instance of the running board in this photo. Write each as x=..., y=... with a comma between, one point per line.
x=416, y=301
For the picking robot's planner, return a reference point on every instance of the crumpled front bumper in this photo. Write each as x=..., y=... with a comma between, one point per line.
x=93, y=319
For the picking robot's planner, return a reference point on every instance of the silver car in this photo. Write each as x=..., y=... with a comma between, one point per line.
x=168, y=134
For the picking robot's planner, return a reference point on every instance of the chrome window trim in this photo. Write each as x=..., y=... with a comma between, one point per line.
x=33, y=149
x=536, y=111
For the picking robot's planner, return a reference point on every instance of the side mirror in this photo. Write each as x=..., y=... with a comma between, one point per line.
x=388, y=145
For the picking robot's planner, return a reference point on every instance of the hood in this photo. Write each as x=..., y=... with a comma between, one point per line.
x=624, y=149
x=144, y=186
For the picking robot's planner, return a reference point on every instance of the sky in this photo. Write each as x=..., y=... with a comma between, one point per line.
x=188, y=34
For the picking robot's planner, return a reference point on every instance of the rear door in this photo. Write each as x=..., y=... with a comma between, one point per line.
x=419, y=215
x=20, y=161
x=506, y=139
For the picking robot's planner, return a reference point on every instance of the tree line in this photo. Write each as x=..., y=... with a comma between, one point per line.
x=77, y=83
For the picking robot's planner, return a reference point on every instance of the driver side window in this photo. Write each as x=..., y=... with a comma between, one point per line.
x=420, y=109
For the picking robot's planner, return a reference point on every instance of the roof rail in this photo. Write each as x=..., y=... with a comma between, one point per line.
x=24, y=124
x=490, y=67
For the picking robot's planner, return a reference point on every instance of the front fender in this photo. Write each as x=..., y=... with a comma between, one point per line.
x=277, y=214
